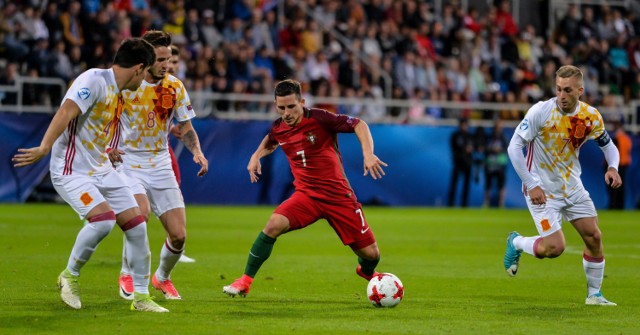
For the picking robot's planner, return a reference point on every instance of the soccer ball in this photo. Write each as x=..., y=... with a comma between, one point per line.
x=385, y=290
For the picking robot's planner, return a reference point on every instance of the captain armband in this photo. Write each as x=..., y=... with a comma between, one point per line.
x=603, y=139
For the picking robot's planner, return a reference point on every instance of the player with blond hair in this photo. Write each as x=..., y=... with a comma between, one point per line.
x=553, y=132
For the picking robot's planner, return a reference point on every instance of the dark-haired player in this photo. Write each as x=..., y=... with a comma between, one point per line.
x=78, y=138
x=308, y=138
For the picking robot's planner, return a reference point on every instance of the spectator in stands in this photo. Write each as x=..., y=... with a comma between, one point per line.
x=38, y=58
x=504, y=20
x=60, y=64
x=211, y=34
x=378, y=31
x=51, y=19
x=72, y=25
x=8, y=78
x=10, y=29
x=587, y=26
x=570, y=25
x=193, y=32
x=234, y=31
x=259, y=33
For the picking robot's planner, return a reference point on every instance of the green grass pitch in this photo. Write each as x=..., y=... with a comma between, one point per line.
x=450, y=261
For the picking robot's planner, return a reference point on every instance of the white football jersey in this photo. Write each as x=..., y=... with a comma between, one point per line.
x=81, y=148
x=554, y=140
x=145, y=122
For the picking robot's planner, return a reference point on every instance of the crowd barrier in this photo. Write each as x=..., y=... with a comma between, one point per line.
x=418, y=174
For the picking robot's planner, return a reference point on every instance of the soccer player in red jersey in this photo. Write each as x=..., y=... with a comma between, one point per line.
x=308, y=137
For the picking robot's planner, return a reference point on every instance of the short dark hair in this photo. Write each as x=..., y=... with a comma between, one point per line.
x=288, y=87
x=174, y=50
x=134, y=51
x=157, y=38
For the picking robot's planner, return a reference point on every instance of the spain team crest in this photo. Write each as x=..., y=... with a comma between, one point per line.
x=166, y=101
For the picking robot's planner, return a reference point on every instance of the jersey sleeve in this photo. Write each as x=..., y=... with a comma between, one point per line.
x=85, y=91
x=183, y=109
x=528, y=128
x=599, y=133
x=337, y=123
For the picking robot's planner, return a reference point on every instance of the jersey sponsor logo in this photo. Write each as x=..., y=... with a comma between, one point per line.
x=311, y=137
x=362, y=231
x=282, y=143
x=524, y=125
x=189, y=108
x=84, y=93
x=86, y=198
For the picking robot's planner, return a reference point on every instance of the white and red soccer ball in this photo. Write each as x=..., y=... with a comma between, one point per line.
x=385, y=290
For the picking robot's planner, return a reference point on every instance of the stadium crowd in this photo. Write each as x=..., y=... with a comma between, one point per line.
x=246, y=46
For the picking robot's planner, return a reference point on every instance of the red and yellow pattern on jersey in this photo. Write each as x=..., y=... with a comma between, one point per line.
x=146, y=120
x=555, y=140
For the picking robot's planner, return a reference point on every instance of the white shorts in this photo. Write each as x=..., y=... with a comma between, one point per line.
x=84, y=193
x=548, y=217
x=160, y=186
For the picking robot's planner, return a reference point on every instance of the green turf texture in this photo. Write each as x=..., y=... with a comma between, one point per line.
x=450, y=261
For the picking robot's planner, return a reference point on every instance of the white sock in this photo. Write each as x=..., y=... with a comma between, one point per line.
x=169, y=256
x=526, y=244
x=138, y=256
x=125, y=264
x=88, y=239
x=594, y=269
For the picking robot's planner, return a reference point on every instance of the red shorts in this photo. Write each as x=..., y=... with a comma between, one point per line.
x=345, y=217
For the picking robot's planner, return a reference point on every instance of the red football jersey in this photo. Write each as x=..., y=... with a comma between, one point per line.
x=312, y=150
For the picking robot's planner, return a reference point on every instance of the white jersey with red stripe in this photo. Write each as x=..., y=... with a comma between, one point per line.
x=81, y=149
x=554, y=140
x=145, y=122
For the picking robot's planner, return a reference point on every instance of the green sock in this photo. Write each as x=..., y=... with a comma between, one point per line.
x=368, y=267
x=260, y=251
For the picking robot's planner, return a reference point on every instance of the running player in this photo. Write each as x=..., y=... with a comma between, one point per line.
x=308, y=138
x=553, y=132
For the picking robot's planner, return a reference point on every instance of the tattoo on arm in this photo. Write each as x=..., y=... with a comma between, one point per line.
x=190, y=140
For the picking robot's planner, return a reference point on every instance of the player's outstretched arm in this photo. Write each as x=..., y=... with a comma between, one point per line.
x=372, y=164
x=191, y=141
x=254, y=167
x=67, y=112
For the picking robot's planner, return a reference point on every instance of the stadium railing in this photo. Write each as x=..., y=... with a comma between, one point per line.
x=232, y=106
x=46, y=88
